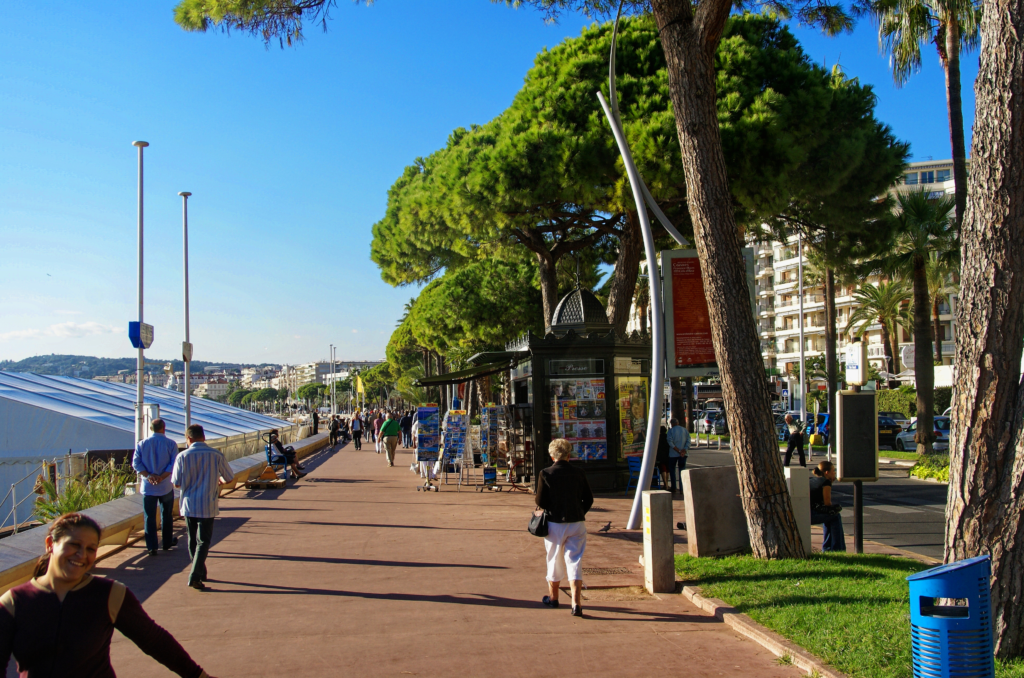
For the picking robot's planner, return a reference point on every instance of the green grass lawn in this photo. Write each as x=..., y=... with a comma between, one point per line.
x=896, y=454
x=850, y=610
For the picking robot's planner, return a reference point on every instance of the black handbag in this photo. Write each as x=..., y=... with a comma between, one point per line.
x=539, y=523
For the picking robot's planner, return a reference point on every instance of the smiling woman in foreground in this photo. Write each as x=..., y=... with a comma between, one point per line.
x=60, y=623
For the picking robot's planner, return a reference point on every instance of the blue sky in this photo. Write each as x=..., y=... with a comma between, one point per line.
x=288, y=153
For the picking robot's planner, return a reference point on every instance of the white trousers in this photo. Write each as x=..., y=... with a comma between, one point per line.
x=565, y=545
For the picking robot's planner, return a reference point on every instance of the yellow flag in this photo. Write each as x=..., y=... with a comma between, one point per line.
x=359, y=384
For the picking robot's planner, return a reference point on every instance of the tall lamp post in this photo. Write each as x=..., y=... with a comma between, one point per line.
x=803, y=377
x=140, y=416
x=186, y=347
x=333, y=401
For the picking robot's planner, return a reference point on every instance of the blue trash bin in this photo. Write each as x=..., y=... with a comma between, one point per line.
x=951, y=620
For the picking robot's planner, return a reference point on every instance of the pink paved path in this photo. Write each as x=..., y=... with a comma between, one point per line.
x=352, y=572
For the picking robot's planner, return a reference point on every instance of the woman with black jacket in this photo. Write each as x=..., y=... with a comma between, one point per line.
x=565, y=496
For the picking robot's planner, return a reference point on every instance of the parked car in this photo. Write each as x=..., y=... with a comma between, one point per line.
x=888, y=429
x=713, y=422
x=898, y=417
x=905, y=439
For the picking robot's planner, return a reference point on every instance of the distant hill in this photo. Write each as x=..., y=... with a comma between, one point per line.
x=86, y=367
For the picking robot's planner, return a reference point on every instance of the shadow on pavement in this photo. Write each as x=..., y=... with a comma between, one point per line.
x=347, y=561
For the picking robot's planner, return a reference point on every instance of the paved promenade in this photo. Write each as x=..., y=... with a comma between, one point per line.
x=352, y=572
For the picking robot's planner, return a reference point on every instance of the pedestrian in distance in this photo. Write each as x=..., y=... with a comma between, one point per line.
x=335, y=427
x=389, y=431
x=377, y=423
x=316, y=421
x=823, y=511
x=199, y=472
x=357, y=431
x=661, y=459
x=678, y=450
x=406, y=424
x=564, y=495
x=796, y=441
x=153, y=461
x=60, y=622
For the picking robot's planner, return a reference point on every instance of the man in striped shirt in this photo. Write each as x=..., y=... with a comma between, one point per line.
x=199, y=472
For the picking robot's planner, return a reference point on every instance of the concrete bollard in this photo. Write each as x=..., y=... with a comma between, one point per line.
x=659, y=546
x=797, y=480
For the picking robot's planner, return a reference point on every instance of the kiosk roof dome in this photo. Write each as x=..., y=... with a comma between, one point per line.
x=581, y=311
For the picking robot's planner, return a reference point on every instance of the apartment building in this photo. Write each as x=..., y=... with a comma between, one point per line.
x=778, y=295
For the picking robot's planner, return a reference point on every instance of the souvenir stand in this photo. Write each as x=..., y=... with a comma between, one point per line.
x=453, y=444
x=428, y=444
x=492, y=420
x=584, y=383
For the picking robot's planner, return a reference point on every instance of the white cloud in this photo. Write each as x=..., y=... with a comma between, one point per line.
x=68, y=330
x=355, y=331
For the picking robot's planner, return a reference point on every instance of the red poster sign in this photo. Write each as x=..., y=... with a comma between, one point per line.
x=691, y=324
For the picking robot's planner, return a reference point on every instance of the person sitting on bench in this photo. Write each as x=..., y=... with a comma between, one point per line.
x=288, y=453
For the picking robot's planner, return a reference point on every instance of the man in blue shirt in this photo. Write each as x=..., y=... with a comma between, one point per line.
x=199, y=472
x=154, y=460
x=678, y=448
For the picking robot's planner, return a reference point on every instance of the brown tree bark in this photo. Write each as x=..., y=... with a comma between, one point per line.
x=831, y=336
x=627, y=267
x=690, y=35
x=950, y=56
x=678, y=404
x=985, y=509
x=924, y=369
x=937, y=330
x=546, y=268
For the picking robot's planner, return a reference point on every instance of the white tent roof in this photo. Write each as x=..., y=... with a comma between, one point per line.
x=46, y=415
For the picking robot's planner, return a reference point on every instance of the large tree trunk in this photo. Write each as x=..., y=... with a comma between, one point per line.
x=956, y=119
x=985, y=509
x=924, y=368
x=937, y=330
x=830, y=346
x=678, y=404
x=547, y=270
x=627, y=267
x=891, y=367
x=689, y=38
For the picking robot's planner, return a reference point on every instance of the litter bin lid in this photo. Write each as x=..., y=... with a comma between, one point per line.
x=946, y=569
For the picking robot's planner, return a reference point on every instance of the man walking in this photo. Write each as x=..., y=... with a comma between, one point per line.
x=199, y=472
x=154, y=460
x=316, y=421
x=389, y=431
x=678, y=448
x=406, y=424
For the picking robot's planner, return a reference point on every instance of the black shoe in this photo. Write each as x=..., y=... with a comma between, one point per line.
x=198, y=585
x=168, y=547
x=577, y=611
x=680, y=526
x=546, y=600
x=151, y=552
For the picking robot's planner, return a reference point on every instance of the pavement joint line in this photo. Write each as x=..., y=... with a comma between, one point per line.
x=763, y=636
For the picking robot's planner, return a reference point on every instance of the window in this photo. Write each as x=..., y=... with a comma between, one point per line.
x=942, y=175
x=927, y=177
x=910, y=179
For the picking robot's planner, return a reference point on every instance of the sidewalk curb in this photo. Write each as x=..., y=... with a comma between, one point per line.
x=766, y=638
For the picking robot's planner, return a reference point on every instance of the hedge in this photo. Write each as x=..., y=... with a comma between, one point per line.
x=902, y=399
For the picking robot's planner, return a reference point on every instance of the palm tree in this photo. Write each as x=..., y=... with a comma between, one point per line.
x=941, y=284
x=922, y=227
x=952, y=25
x=407, y=309
x=881, y=303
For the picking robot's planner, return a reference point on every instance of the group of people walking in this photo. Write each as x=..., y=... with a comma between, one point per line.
x=385, y=429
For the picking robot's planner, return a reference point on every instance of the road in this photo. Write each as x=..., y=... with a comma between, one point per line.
x=899, y=511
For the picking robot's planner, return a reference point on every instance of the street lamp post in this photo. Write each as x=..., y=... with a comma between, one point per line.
x=186, y=348
x=803, y=380
x=140, y=416
x=333, y=401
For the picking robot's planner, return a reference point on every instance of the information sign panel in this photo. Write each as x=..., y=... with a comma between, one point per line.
x=856, y=435
x=428, y=436
x=689, y=347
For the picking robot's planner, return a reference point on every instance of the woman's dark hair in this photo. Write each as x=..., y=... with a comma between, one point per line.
x=823, y=468
x=61, y=528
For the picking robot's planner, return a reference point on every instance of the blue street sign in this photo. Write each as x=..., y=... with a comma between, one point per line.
x=141, y=334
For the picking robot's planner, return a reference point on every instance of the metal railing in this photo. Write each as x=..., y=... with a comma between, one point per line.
x=57, y=469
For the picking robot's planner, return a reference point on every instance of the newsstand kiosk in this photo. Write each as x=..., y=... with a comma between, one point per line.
x=582, y=382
